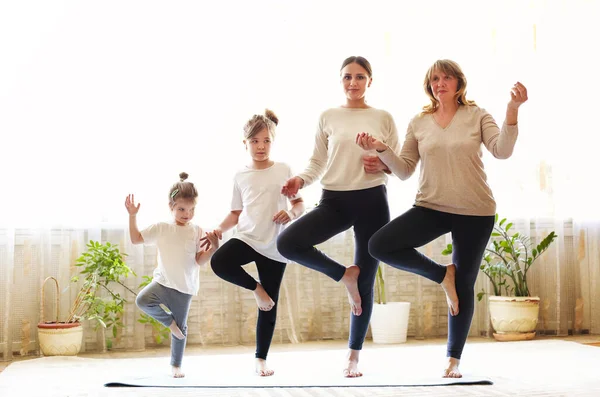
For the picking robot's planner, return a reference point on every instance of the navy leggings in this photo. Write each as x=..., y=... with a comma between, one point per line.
x=227, y=263
x=366, y=211
x=395, y=245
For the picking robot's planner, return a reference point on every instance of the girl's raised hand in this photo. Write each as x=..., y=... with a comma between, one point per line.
x=282, y=217
x=213, y=241
x=210, y=242
x=367, y=142
x=130, y=205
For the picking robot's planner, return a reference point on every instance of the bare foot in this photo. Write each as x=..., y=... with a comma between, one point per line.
x=449, y=286
x=452, y=370
x=350, y=280
x=176, y=331
x=262, y=369
x=263, y=300
x=351, y=370
x=177, y=373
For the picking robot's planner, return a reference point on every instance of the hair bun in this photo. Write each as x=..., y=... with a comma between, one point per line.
x=271, y=116
x=183, y=176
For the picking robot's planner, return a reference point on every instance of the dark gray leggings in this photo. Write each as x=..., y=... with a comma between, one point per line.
x=366, y=211
x=395, y=245
x=227, y=263
x=149, y=300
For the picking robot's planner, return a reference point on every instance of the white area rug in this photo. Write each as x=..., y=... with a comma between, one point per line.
x=293, y=370
x=516, y=367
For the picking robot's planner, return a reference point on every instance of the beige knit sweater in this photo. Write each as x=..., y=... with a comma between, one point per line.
x=452, y=177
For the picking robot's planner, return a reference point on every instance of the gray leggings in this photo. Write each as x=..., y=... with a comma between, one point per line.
x=149, y=301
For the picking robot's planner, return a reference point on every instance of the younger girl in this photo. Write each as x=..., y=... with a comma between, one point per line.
x=180, y=255
x=260, y=212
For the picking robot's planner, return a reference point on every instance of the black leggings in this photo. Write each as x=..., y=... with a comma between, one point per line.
x=366, y=210
x=395, y=245
x=227, y=263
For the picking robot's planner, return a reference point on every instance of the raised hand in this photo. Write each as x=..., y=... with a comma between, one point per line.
x=368, y=142
x=282, y=217
x=291, y=187
x=210, y=242
x=518, y=95
x=130, y=205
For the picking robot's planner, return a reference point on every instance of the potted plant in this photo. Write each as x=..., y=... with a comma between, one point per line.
x=506, y=262
x=103, y=268
x=57, y=338
x=389, y=320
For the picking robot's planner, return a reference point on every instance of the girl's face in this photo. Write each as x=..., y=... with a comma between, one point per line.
x=259, y=146
x=183, y=211
x=355, y=81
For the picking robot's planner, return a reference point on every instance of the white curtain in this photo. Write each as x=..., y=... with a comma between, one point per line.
x=98, y=100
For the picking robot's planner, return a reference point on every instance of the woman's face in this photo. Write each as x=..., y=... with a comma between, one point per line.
x=355, y=81
x=443, y=86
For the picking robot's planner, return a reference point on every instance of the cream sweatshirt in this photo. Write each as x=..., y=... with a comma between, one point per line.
x=336, y=155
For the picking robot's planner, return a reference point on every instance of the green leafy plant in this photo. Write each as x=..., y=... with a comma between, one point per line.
x=507, y=259
x=160, y=332
x=103, y=268
x=380, y=287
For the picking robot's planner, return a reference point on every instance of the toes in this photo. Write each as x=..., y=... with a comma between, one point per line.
x=349, y=374
x=266, y=307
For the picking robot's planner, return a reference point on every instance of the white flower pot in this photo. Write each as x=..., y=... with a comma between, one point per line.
x=514, y=317
x=389, y=322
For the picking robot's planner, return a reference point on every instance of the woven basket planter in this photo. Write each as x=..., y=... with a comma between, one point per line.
x=58, y=339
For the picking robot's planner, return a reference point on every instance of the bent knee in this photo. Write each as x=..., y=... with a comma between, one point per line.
x=142, y=300
x=376, y=247
x=216, y=264
x=286, y=246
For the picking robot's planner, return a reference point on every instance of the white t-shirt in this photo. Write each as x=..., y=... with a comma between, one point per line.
x=257, y=193
x=177, y=248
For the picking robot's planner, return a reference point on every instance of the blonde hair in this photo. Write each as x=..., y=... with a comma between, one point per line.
x=182, y=190
x=259, y=122
x=450, y=68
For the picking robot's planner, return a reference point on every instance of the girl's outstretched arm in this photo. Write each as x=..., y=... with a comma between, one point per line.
x=134, y=232
x=230, y=221
x=213, y=243
x=286, y=216
x=297, y=207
